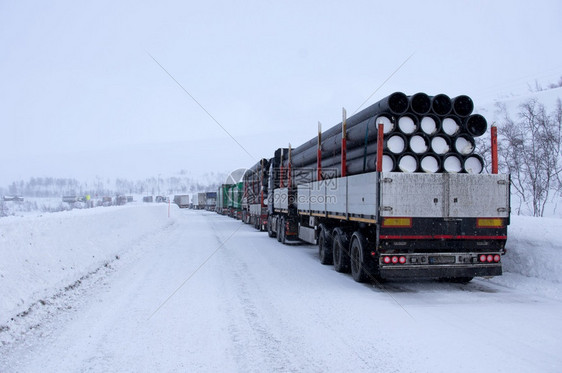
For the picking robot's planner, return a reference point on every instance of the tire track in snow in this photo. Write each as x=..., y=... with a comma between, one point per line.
x=254, y=338
x=266, y=336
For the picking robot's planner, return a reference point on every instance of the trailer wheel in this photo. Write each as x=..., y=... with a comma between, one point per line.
x=340, y=251
x=270, y=231
x=282, y=231
x=325, y=246
x=279, y=228
x=360, y=271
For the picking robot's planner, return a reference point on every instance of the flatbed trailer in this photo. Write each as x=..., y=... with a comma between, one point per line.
x=234, y=200
x=223, y=194
x=255, y=197
x=400, y=225
x=397, y=225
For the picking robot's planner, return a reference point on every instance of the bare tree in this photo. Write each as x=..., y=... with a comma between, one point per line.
x=530, y=151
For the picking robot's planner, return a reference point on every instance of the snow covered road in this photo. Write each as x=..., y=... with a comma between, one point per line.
x=208, y=293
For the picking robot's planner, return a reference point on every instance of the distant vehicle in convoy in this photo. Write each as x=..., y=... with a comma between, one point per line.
x=234, y=200
x=72, y=199
x=255, y=194
x=223, y=194
x=12, y=199
x=198, y=201
x=182, y=200
x=120, y=200
x=395, y=191
x=105, y=201
x=201, y=200
x=210, y=201
x=194, y=203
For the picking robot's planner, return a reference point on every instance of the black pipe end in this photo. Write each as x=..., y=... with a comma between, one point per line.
x=430, y=163
x=463, y=105
x=473, y=164
x=441, y=104
x=420, y=103
x=398, y=103
x=452, y=163
x=465, y=144
x=476, y=125
x=408, y=162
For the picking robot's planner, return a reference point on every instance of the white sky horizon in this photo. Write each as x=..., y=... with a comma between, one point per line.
x=80, y=95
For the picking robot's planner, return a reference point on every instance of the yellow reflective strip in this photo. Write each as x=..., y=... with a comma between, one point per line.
x=489, y=222
x=397, y=222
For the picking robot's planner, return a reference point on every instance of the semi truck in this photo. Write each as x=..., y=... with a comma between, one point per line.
x=234, y=200
x=201, y=200
x=222, y=199
x=198, y=201
x=182, y=200
x=254, y=200
x=210, y=201
x=375, y=209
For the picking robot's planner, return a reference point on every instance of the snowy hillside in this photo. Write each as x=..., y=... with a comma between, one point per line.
x=131, y=289
x=490, y=110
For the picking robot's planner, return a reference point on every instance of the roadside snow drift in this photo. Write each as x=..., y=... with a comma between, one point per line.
x=40, y=255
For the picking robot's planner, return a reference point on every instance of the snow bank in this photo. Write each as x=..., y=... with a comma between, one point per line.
x=534, y=248
x=42, y=254
x=533, y=263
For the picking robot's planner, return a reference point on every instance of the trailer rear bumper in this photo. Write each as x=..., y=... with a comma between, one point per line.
x=439, y=271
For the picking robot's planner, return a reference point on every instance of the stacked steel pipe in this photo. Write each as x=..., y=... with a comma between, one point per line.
x=255, y=182
x=422, y=133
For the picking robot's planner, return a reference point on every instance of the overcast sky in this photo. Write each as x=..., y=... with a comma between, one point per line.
x=81, y=96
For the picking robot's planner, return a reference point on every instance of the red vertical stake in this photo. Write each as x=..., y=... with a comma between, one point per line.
x=319, y=153
x=494, y=149
x=281, y=171
x=261, y=183
x=289, y=184
x=344, y=143
x=380, y=139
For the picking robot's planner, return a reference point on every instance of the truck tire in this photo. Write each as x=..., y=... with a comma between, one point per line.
x=325, y=246
x=340, y=251
x=360, y=271
x=282, y=231
x=279, y=228
x=270, y=231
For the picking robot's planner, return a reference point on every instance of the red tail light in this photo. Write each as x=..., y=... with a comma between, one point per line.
x=386, y=260
x=402, y=259
x=490, y=258
x=483, y=258
x=497, y=258
x=394, y=259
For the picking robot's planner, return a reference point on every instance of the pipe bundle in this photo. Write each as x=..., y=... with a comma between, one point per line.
x=255, y=182
x=421, y=134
